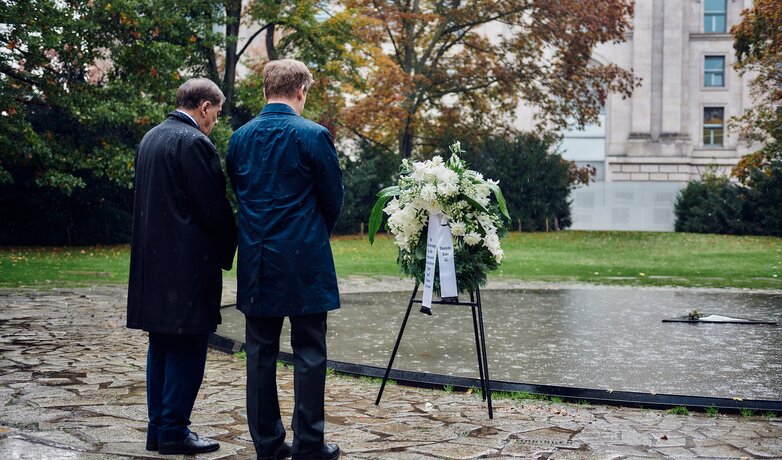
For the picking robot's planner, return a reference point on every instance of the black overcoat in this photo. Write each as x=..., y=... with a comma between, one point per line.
x=183, y=231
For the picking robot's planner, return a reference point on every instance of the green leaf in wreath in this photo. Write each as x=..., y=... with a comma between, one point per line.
x=473, y=203
x=389, y=191
x=376, y=216
x=500, y=199
x=420, y=249
x=497, y=194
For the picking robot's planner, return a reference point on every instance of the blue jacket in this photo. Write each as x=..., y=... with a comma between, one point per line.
x=288, y=183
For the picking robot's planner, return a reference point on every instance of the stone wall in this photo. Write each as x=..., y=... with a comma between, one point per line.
x=651, y=169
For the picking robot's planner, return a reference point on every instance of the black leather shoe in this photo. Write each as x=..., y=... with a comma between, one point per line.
x=284, y=451
x=191, y=445
x=152, y=443
x=326, y=452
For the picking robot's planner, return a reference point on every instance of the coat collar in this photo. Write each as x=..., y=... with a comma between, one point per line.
x=183, y=118
x=278, y=107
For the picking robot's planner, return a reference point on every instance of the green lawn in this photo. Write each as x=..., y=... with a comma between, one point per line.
x=622, y=258
x=63, y=266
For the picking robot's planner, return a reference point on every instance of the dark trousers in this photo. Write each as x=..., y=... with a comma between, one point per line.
x=175, y=369
x=308, y=340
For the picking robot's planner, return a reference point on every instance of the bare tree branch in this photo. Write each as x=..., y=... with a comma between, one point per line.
x=252, y=37
x=364, y=137
x=390, y=34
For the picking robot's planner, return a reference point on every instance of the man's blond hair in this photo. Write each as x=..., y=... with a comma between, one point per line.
x=283, y=77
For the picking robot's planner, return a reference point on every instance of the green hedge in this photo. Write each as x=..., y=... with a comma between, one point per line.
x=717, y=205
x=373, y=170
x=535, y=182
x=763, y=198
x=536, y=185
x=99, y=213
x=713, y=205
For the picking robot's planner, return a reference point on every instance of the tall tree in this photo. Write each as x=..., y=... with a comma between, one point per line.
x=758, y=46
x=327, y=38
x=467, y=64
x=80, y=82
x=264, y=18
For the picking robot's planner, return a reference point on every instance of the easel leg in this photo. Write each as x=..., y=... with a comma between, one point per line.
x=487, y=393
x=396, y=346
x=478, y=346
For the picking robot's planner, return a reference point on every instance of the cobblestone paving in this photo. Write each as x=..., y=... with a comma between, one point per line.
x=72, y=387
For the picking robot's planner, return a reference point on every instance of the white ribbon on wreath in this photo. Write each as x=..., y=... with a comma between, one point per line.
x=439, y=254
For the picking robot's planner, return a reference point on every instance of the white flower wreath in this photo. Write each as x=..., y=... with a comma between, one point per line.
x=463, y=196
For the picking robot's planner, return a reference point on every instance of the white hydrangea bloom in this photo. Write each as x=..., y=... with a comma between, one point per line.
x=429, y=192
x=448, y=183
x=458, y=228
x=491, y=241
x=472, y=238
x=391, y=207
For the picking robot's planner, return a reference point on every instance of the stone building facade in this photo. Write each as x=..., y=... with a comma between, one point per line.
x=675, y=124
x=674, y=127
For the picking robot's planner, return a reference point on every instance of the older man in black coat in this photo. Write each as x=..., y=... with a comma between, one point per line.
x=183, y=234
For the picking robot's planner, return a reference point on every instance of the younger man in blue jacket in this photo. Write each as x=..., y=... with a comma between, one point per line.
x=288, y=184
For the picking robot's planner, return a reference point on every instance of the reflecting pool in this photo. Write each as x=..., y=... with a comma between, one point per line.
x=602, y=338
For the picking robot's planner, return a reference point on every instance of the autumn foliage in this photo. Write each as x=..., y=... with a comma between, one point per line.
x=758, y=46
x=465, y=66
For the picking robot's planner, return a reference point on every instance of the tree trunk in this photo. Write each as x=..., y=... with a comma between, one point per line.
x=233, y=13
x=406, y=141
x=406, y=134
x=211, y=60
x=68, y=232
x=271, y=47
x=271, y=50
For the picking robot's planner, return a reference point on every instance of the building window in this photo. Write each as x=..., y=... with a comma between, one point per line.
x=713, y=125
x=714, y=71
x=715, y=13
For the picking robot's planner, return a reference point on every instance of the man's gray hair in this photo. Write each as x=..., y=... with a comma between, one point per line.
x=197, y=90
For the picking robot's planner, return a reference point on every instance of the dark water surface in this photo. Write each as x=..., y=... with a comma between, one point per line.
x=602, y=338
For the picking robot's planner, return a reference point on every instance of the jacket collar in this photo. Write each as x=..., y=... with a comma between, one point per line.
x=278, y=107
x=182, y=117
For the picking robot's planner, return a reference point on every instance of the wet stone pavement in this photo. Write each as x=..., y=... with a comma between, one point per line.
x=72, y=387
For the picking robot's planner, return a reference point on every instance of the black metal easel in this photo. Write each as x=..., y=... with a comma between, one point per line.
x=480, y=342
